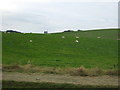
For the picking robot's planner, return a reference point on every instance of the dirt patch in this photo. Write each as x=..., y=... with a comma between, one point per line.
x=40, y=77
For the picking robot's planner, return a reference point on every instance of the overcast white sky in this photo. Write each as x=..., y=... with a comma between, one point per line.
x=58, y=15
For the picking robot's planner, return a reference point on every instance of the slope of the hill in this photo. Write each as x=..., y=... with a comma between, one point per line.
x=97, y=48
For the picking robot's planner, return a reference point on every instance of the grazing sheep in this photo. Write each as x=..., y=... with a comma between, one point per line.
x=98, y=37
x=77, y=37
x=76, y=41
x=63, y=36
x=30, y=40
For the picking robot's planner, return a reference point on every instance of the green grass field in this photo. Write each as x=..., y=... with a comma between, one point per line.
x=53, y=51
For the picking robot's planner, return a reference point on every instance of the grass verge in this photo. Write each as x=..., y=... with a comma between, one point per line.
x=80, y=71
x=15, y=84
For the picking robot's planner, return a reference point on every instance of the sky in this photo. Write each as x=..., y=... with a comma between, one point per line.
x=38, y=16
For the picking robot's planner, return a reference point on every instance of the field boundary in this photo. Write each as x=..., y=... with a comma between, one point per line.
x=80, y=71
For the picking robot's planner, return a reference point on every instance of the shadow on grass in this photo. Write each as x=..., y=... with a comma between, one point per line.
x=15, y=84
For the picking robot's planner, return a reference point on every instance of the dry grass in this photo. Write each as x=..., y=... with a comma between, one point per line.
x=112, y=72
x=81, y=71
x=32, y=68
x=95, y=72
x=10, y=67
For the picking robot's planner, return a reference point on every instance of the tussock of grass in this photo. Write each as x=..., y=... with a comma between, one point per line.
x=32, y=68
x=81, y=71
x=112, y=72
x=10, y=67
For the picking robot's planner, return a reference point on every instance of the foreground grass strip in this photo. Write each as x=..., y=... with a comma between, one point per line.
x=15, y=84
x=80, y=71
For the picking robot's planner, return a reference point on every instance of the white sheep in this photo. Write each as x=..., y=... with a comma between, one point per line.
x=63, y=36
x=98, y=37
x=30, y=40
x=77, y=37
x=76, y=41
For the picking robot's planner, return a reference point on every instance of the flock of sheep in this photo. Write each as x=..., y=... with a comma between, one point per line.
x=75, y=37
x=75, y=40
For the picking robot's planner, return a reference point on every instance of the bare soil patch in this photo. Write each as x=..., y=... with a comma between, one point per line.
x=55, y=78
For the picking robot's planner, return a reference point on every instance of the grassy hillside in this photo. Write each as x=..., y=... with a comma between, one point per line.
x=52, y=50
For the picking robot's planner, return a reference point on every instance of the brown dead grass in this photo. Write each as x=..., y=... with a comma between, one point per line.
x=81, y=71
x=10, y=67
x=112, y=72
